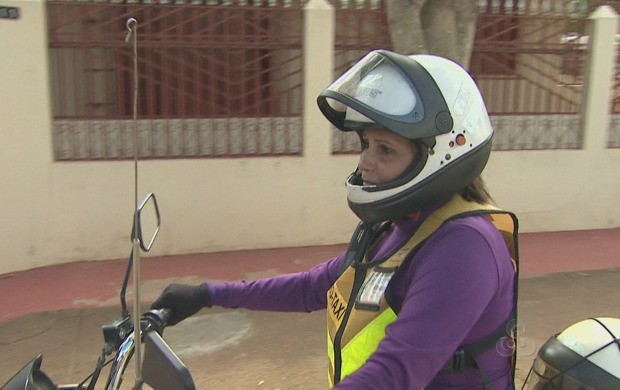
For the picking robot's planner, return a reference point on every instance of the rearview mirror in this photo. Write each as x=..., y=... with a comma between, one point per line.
x=147, y=222
x=162, y=368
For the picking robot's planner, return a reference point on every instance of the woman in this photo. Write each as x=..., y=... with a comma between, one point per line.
x=425, y=295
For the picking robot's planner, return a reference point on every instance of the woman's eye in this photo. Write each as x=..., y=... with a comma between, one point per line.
x=386, y=149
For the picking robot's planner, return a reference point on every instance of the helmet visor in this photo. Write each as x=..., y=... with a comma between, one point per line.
x=379, y=86
x=383, y=90
x=546, y=377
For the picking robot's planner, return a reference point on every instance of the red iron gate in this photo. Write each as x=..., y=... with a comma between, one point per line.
x=221, y=80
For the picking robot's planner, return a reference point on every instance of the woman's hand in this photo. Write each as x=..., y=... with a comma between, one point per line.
x=183, y=300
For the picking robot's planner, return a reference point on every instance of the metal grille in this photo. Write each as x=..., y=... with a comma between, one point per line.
x=613, y=140
x=616, y=90
x=214, y=80
x=528, y=61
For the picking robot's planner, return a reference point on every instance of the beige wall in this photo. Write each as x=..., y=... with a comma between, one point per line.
x=58, y=212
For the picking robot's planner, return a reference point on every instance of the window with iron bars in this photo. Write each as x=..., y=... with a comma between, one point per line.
x=507, y=28
x=214, y=80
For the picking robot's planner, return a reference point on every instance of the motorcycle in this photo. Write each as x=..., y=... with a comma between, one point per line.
x=158, y=367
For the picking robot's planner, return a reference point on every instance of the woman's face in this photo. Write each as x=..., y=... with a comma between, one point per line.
x=386, y=156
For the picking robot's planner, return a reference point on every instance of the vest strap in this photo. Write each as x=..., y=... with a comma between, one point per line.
x=464, y=357
x=363, y=237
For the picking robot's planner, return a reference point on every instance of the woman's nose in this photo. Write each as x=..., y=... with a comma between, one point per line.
x=365, y=162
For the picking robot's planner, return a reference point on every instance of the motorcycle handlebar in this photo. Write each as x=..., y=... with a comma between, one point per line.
x=152, y=320
x=155, y=319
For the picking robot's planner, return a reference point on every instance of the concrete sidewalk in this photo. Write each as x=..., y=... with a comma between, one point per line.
x=58, y=311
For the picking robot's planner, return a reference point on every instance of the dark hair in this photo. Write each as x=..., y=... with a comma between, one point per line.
x=477, y=191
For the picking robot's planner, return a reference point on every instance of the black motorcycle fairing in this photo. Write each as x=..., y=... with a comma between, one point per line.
x=30, y=378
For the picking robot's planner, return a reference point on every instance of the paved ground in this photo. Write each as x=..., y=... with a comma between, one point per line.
x=58, y=311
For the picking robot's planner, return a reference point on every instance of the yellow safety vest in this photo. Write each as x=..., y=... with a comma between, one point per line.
x=358, y=312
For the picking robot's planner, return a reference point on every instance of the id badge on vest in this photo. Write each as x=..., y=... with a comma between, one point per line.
x=371, y=293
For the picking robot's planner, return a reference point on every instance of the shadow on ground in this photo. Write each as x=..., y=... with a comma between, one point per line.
x=239, y=349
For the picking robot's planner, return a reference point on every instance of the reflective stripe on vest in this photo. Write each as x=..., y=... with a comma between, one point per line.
x=358, y=312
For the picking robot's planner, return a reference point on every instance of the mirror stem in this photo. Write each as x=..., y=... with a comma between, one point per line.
x=136, y=310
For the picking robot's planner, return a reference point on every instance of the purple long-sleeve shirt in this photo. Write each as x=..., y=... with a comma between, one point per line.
x=457, y=288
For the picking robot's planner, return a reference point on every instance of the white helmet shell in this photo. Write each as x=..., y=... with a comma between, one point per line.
x=586, y=337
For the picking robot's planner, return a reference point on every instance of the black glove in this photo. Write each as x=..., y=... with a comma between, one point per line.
x=183, y=300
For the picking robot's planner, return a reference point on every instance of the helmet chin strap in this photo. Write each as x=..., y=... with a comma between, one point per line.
x=356, y=178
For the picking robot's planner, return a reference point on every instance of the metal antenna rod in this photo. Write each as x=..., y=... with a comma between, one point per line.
x=132, y=27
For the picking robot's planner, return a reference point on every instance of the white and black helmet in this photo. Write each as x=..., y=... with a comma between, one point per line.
x=585, y=356
x=425, y=98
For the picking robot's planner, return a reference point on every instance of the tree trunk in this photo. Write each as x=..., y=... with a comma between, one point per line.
x=442, y=27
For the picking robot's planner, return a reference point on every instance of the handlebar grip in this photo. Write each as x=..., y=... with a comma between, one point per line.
x=165, y=314
x=156, y=319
